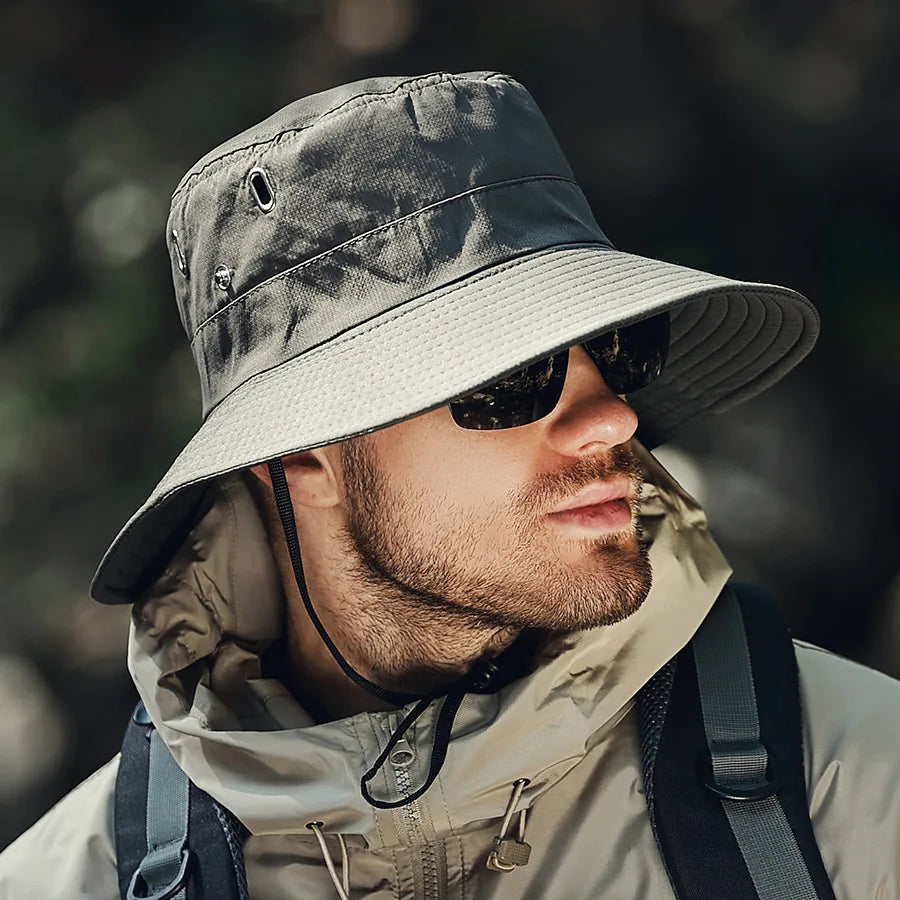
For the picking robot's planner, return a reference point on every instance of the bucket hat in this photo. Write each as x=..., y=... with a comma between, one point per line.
x=370, y=252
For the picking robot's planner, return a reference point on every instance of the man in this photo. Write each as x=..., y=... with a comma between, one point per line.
x=374, y=619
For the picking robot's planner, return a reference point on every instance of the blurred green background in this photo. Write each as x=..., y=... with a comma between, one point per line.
x=758, y=140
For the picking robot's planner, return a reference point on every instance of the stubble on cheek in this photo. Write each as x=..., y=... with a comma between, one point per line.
x=497, y=566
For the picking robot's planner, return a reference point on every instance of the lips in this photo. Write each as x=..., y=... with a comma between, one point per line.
x=597, y=493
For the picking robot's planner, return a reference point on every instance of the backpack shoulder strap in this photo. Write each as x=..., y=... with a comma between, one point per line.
x=722, y=754
x=173, y=841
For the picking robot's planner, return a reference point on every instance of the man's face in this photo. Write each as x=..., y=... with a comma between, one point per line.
x=459, y=517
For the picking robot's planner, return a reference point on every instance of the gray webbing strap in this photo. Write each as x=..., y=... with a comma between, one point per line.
x=163, y=868
x=739, y=760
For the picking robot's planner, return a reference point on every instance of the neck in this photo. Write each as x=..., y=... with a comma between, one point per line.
x=390, y=639
x=415, y=659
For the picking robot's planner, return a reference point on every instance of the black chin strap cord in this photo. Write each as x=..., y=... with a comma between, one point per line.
x=478, y=677
x=286, y=513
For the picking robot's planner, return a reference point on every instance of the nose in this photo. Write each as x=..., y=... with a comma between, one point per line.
x=588, y=413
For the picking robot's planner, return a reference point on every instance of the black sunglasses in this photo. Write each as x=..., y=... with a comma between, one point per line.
x=628, y=358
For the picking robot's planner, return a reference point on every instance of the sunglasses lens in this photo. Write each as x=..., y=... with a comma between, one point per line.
x=630, y=358
x=518, y=399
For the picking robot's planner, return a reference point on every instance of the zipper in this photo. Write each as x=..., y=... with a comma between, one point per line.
x=401, y=759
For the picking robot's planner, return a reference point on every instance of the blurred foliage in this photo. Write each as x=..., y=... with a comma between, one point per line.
x=754, y=139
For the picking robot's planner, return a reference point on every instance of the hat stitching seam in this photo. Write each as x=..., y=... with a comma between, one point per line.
x=681, y=314
x=400, y=310
x=753, y=362
x=510, y=182
x=732, y=355
x=717, y=350
x=725, y=317
x=365, y=100
x=680, y=387
x=682, y=393
x=784, y=356
x=686, y=391
x=342, y=341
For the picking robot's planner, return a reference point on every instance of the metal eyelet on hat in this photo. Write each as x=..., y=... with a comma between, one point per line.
x=222, y=277
x=179, y=253
x=261, y=187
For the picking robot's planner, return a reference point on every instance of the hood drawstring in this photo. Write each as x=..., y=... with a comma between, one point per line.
x=507, y=854
x=482, y=676
x=342, y=884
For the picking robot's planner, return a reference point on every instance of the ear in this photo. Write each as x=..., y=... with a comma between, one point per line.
x=310, y=475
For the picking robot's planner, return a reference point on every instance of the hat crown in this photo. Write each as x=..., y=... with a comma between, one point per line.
x=380, y=191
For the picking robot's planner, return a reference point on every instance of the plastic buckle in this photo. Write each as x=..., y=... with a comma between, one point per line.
x=482, y=674
x=768, y=788
x=140, y=716
x=507, y=854
x=142, y=719
x=164, y=893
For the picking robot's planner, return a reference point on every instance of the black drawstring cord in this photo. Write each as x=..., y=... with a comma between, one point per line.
x=478, y=678
x=398, y=698
x=404, y=726
x=286, y=513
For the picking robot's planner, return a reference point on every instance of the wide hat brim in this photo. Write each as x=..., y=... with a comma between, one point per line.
x=729, y=341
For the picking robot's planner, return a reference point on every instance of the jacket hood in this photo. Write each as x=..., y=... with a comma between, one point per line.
x=194, y=653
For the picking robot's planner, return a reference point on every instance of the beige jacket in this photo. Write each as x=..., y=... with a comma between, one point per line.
x=569, y=727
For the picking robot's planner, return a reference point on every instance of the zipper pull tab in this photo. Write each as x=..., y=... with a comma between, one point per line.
x=403, y=754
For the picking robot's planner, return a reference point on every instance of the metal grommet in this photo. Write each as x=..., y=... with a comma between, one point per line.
x=179, y=253
x=262, y=188
x=222, y=277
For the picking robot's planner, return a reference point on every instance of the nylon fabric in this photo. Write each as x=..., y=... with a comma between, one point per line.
x=167, y=820
x=731, y=722
x=727, y=697
x=752, y=849
x=769, y=850
x=384, y=268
